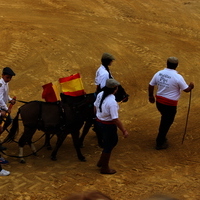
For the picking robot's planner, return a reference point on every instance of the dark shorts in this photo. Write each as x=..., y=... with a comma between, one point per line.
x=109, y=136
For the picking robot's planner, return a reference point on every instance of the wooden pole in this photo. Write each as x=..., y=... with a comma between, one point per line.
x=187, y=117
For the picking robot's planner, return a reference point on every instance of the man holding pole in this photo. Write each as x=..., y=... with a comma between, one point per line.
x=169, y=86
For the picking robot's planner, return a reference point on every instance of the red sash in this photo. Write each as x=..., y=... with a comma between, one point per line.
x=105, y=122
x=166, y=101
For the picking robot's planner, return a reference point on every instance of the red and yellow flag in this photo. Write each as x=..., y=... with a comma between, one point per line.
x=71, y=85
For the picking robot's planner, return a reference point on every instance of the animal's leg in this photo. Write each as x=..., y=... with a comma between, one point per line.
x=60, y=139
x=47, y=141
x=75, y=137
x=99, y=136
x=86, y=129
x=32, y=146
x=25, y=138
x=21, y=154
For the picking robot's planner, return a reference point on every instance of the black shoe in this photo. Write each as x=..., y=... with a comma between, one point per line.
x=163, y=146
x=2, y=148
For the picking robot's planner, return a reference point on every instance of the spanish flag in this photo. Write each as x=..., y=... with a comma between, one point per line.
x=71, y=86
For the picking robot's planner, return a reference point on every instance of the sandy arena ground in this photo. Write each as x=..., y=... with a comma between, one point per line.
x=45, y=40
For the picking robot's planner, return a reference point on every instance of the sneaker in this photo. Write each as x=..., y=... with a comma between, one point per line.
x=4, y=172
x=3, y=161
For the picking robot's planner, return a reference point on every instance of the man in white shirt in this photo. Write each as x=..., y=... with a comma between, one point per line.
x=169, y=86
x=7, y=75
x=103, y=72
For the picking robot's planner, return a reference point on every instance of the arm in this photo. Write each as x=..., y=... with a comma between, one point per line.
x=12, y=102
x=103, y=79
x=190, y=87
x=121, y=127
x=151, y=96
x=101, y=76
x=2, y=103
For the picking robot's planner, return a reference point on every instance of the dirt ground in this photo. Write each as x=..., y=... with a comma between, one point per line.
x=45, y=40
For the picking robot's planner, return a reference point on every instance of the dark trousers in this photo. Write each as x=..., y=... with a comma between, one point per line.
x=109, y=136
x=167, y=118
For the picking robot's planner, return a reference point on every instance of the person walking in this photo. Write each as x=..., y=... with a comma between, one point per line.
x=5, y=118
x=169, y=86
x=7, y=75
x=103, y=72
x=106, y=109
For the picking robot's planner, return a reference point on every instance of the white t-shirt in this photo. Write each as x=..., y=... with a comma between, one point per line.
x=4, y=97
x=169, y=83
x=101, y=76
x=109, y=107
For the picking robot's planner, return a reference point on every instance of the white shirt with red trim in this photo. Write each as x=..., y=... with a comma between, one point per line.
x=101, y=76
x=109, y=107
x=169, y=83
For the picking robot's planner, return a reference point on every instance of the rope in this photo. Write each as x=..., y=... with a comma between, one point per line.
x=123, y=100
x=28, y=154
x=22, y=101
x=18, y=142
x=23, y=156
x=187, y=117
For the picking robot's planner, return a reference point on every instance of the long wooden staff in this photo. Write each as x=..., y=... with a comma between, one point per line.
x=187, y=117
x=4, y=119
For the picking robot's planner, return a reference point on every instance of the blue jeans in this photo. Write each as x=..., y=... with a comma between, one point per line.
x=109, y=136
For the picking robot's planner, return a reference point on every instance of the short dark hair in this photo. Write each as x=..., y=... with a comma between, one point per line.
x=171, y=65
x=106, y=62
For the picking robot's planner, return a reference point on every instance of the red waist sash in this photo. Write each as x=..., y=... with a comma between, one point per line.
x=166, y=101
x=105, y=122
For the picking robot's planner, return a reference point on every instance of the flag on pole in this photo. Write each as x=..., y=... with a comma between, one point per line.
x=71, y=85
